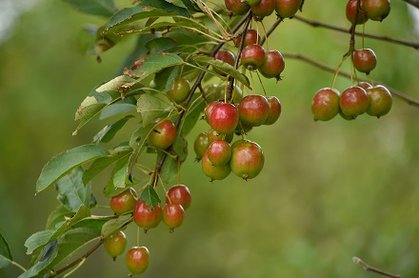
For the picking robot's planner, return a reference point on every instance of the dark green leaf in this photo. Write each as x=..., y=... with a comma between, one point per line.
x=98, y=166
x=109, y=131
x=64, y=162
x=163, y=5
x=94, y=7
x=159, y=45
x=150, y=196
x=164, y=79
x=116, y=109
x=5, y=255
x=139, y=51
x=190, y=5
x=171, y=167
x=156, y=62
x=56, y=216
x=153, y=106
x=48, y=254
x=120, y=172
x=73, y=193
x=192, y=115
x=114, y=225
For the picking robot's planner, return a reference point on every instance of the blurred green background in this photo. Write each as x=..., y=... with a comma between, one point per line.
x=329, y=191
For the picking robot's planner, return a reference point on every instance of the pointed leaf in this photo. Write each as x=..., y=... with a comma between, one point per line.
x=114, y=225
x=152, y=107
x=94, y=7
x=150, y=196
x=156, y=62
x=109, y=131
x=48, y=254
x=64, y=162
x=163, y=5
x=5, y=255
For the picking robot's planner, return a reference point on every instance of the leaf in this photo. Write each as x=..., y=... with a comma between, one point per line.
x=164, y=79
x=56, y=216
x=150, y=196
x=192, y=115
x=116, y=109
x=120, y=172
x=114, y=225
x=163, y=5
x=109, y=131
x=48, y=254
x=98, y=166
x=162, y=44
x=5, y=255
x=152, y=107
x=94, y=7
x=156, y=62
x=73, y=193
x=66, y=161
x=170, y=168
x=37, y=240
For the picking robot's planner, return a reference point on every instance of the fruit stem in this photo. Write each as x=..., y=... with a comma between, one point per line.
x=337, y=72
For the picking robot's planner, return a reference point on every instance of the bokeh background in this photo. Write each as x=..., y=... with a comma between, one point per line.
x=329, y=191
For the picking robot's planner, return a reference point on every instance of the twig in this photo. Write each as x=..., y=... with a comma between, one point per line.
x=370, y=268
x=414, y=3
x=315, y=23
x=324, y=67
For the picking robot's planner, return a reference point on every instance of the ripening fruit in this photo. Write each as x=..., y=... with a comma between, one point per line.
x=163, y=135
x=137, y=259
x=201, y=144
x=146, y=217
x=364, y=60
x=253, y=56
x=264, y=8
x=252, y=2
x=273, y=65
x=173, y=215
x=123, y=202
x=325, y=104
x=247, y=159
x=209, y=108
x=376, y=9
x=354, y=15
x=354, y=101
x=179, y=194
x=225, y=56
x=251, y=37
x=287, y=8
x=224, y=118
x=237, y=7
x=381, y=101
x=115, y=244
x=214, y=136
x=254, y=110
x=179, y=91
x=214, y=172
x=364, y=85
x=274, y=110
x=219, y=153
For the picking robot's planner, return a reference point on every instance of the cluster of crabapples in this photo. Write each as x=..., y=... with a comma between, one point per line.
x=356, y=100
x=178, y=199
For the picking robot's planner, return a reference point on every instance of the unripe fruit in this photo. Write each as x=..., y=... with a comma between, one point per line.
x=123, y=202
x=254, y=110
x=225, y=56
x=274, y=110
x=247, y=159
x=273, y=65
x=237, y=6
x=201, y=144
x=355, y=15
x=224, y=118
x=173, y=215
x=325, y=104
x=115, y=244
x=364, y=60
x=364, y=85
x=381, y=101
x=137, y=259
x=376, y=9
x=252, y=2
x=214, y=136
x=264, y=8
x=179, y=194
x=253, y=56
x=146, y=217
x=217, y=92
x=287, y=8
x=219, y=153
x=354, y=101
x=163, y=135
x=179, y=91
x=214, y=172
x=251, y=37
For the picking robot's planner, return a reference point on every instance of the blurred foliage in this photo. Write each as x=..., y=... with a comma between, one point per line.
x=329, y=191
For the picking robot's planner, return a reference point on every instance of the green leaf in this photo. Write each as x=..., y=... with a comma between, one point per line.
x=109, y=131
x=94, y=7
x=164, y=79
x=159, y=45
x=120, y=172
x=5, y=255
x=73, y=193
x=114, y=225
x=37, y=240
x=171, y=167
x=59, y=165
x=116, y=109
x=48, y=254
x=163, y=5
x=98, y=166
x=150, y=196
x=153, y=106
x=193, y=115
x=156, y=62
x=57, y=215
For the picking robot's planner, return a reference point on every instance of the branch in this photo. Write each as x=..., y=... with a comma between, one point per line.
x=315, y=23
x=324, y=67
x=414, y=3
x=367, y=267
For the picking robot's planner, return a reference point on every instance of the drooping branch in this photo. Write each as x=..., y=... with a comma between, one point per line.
x=414, y=3
x=370, y=268
x=324, y=67
x=315, y=23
